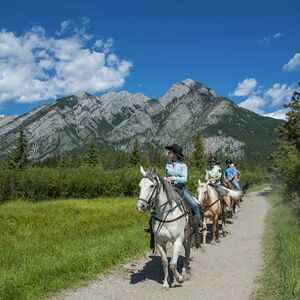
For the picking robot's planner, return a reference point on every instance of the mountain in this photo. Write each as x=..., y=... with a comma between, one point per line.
x=116, y=119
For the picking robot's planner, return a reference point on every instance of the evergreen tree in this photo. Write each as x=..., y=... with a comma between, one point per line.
x=136, y=154
x=91, y=156
x=197, y=159
x=18, y=158
x=285, y=161
x=290, y=131
x=65, y=161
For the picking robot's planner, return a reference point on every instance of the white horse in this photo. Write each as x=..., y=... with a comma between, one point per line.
x=169, y=221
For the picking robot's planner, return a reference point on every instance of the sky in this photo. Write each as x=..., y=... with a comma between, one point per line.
x=248, y=51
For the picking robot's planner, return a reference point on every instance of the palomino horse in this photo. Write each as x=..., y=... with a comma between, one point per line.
x=169, y=221
x=213, y=208
x=235, y=196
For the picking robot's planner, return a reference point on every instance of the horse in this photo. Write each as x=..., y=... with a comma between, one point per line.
x=235, y=196
x=213, y=208
x=169, y=221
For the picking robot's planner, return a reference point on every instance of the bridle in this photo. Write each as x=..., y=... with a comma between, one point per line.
x=151, y=202
x=152, y=199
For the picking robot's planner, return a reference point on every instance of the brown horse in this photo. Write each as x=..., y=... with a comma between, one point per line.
x=213, y=209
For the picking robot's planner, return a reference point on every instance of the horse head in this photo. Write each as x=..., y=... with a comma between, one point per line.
x=149, y=189
x=202, y=191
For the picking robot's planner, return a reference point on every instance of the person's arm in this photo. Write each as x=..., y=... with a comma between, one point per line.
x=238, y=172
x=233, y=174
x=217, y=176
x=206, y=175
x=183, y=176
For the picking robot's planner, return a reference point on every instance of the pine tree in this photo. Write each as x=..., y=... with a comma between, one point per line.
x=290, y=131
x=198, y=157
x=65, y=161
x=91, y=156
x=18, y=158
x=285, y=161
x=136, y=154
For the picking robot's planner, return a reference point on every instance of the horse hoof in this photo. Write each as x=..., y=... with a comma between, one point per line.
x=213, y=243
x=218, y=241
x=165, y=287
x=180, y=279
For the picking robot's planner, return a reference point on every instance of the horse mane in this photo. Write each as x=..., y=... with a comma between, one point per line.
x=167, y=187
x=211, y=191
x=170, y=191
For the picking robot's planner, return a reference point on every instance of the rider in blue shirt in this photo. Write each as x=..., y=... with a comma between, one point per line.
x=230, y=175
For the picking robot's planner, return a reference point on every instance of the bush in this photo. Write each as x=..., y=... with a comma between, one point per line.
x=85, y=182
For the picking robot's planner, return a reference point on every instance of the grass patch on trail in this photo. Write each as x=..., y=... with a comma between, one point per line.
x=281, y=273
x=257, y=187
x=48, y=246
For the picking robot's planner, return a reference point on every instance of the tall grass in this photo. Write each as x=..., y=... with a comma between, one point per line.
x=281, y=274
x=48, y=246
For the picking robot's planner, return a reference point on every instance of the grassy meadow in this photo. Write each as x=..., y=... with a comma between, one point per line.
x=281, y=273
x=48, y=246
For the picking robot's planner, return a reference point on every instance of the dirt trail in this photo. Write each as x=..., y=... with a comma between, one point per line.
x=225, y=271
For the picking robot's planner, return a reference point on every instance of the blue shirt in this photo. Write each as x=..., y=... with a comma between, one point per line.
x=230, y=173
x=179, y=172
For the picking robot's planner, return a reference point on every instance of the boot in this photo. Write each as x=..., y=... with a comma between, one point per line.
x=196, y=232
x=147, y=229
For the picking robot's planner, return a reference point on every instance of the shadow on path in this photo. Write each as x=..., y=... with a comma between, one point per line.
x=153, y=270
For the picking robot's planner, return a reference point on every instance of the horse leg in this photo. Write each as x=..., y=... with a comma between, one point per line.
x=204, y=234
x=186, y=270
x=215, y=230
x=173, y=263
x=164, y=260
x=224, y=225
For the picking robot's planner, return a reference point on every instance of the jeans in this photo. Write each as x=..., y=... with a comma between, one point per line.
x=236, y=185
x=187, y=197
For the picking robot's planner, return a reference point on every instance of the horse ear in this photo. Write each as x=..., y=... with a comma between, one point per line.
x=199, y=181
x=143, y=172
x=154, y=170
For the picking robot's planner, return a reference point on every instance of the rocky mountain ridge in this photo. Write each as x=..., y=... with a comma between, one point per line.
x=117, y=119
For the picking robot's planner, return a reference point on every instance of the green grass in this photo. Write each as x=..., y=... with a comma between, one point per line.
x=48, y=246
x=257, y=187
x=281, y=273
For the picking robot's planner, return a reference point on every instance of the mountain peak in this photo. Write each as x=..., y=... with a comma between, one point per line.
x=82, y=95
x=182, y=88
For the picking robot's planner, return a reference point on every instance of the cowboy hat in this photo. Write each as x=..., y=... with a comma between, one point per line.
x=176, y=149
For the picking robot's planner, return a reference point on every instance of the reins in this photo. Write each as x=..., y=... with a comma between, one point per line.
x=153, y=200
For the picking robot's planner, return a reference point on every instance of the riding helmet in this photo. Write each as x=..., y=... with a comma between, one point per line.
x=212, y=159
x=228, y=161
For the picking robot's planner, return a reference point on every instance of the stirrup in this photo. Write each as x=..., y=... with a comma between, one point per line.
x=147, y=229
x=201, y=226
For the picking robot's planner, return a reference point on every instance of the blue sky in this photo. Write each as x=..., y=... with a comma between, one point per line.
x=248, y=51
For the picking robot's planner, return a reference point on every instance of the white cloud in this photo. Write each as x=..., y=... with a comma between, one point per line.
x=278, y=114
x=245, y=88
x=278, y=35
x=254, y=103
x=35, y=66
x=293, y=63
x=261, y=100
x=280, y=94
x=267, y=39
x=63, y=27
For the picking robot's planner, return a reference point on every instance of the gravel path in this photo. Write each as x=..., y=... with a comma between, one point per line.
x=225, y=271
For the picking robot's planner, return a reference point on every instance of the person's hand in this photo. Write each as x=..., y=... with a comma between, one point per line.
x=169, y=179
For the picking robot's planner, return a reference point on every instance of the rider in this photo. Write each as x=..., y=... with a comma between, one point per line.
x=176, y=174
x=213, y=177
x=231, y=175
